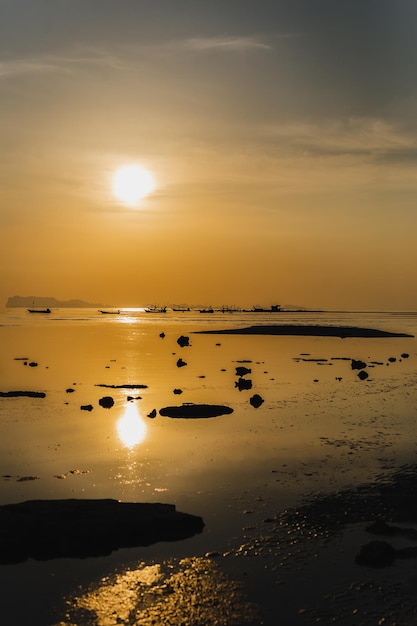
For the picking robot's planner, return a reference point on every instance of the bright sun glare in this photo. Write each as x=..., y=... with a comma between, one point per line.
x=131, y=183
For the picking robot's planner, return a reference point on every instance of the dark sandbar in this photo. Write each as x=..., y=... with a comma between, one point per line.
x=195, y=411
x=126, y=386
x=315, y=330
x=48, y=529
x=19, y=394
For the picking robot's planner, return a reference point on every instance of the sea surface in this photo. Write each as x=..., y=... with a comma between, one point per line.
x=319, y=430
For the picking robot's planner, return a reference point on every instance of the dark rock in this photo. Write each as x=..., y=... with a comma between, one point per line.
x=183, y=341
x=256, y=401
x=181, y=363
x=152, y=414
x=86, y=407
x=177, y=391
x=391, y=359
x=106, y=402
x=27, y=394
x=195, y=411
x=363, y=375
x=381, y=527
x=242, y=371
x=376, y=554
x=48, y=529
x=33, y=364
x=162, y=335
x=405, y=355
x=70, y=390
x=243, y=383
x=357, y=364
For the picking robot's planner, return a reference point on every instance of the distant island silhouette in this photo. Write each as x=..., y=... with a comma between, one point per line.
x=47, y=301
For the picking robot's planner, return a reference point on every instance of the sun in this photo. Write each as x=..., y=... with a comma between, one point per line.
x=131, y=183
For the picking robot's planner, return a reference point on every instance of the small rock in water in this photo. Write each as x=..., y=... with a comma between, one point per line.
x=243, y=383
x=376, y=554
x=242, y=371
x=106, y=402
x=256, y=400
x=357, y=364
x=363, y=375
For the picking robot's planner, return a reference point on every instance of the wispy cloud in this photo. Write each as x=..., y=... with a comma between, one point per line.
x=224, y=44
x=43, y=64
x=371, y=137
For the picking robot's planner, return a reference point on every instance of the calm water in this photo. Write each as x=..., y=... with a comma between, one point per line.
x=319, y=429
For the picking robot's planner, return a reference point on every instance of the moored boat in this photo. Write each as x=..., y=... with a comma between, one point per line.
x=156, y=309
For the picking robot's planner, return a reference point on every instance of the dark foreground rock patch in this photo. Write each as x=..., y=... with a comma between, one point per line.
x=48, y=529
x=195, y=411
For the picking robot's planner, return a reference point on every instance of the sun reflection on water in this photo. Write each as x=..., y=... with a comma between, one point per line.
x=131, y=427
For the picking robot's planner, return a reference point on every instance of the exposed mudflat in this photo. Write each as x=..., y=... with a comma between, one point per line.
x=306, y=330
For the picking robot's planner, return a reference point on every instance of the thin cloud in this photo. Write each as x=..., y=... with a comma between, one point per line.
x=354, y=136
x=224, y=44
x=59, y=63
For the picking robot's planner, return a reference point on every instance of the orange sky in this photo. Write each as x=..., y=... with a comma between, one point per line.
x=282, y=141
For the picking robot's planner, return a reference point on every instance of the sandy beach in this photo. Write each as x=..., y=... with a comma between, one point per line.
x=161, y=410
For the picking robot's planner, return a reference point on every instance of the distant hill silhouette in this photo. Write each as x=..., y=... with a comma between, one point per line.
x=45, y=301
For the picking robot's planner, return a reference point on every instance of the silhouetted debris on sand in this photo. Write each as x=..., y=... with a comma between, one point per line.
x=152, y=414
x=195, y=411
x=86, y=407
x=48, y=529
x=19, y=394
x=181, y=363
x=305, y=330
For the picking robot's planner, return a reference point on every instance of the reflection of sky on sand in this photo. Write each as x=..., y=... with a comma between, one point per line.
x=192, y=591
x=131, y=427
